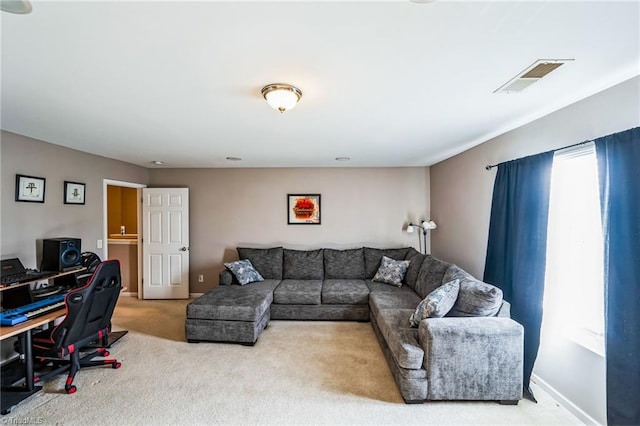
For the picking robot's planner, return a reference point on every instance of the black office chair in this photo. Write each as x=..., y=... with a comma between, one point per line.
x=88, y=320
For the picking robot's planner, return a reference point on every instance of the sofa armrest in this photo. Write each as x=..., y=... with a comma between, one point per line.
x=474, y=358
x=227, y=278
x=505, y=310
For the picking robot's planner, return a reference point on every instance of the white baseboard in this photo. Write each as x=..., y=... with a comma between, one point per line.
x=562, y=400
x=135, y=294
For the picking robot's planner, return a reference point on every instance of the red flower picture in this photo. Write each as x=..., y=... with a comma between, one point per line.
x=303, y=209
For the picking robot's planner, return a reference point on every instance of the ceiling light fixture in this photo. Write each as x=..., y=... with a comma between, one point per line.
x=281, y=96
x=343, y=158
x=234, y=158
x=21, y=7
x=157, y=162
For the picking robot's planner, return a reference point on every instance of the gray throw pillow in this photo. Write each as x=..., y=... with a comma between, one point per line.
x=476, y=298
x=244, y=271
x=391, y=271
x=437, y=303
x=266, y=261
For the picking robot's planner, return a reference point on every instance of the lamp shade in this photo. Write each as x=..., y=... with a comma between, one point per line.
x=281, y=96
x=429, y=225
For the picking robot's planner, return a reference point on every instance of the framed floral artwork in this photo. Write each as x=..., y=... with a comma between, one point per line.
x=30, y=189
x=303, y=209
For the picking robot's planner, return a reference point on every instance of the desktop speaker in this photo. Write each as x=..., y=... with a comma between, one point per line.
x=60, y=254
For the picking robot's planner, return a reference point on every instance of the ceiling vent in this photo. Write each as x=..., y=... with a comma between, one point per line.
x=532, y=74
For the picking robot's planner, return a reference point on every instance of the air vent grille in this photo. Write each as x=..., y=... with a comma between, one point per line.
x=533, y=73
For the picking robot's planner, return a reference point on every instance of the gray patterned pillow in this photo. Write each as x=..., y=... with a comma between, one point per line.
x=437, y=303
x=244, y=271
x=391, y=271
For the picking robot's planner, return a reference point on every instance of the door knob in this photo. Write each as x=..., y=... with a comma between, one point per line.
x=184, y=249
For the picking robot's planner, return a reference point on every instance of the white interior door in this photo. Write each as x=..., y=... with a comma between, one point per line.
x=165, y=243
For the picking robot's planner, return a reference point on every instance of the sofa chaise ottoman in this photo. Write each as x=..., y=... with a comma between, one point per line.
x=231, y=314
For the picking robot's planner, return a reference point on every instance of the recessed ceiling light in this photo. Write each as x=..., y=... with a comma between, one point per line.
x=157, y=162
x=234, y=158
x=343, y=158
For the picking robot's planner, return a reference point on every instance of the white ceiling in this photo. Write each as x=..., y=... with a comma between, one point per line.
x=386, y=83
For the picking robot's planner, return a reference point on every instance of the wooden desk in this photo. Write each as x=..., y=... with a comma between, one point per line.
x=14, y=330
x=12, y=395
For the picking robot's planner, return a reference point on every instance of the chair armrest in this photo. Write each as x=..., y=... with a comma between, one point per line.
x=475, y=358
x=227, y=278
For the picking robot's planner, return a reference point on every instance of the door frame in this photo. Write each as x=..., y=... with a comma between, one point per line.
x=105, y=222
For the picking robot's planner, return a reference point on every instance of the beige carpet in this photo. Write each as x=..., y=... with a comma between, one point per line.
x=297, y=373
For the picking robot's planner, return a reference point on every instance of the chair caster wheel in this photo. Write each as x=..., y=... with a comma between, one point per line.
x=70, y=389
x=116, y=365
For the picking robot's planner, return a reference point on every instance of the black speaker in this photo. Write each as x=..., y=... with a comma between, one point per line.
x=60, y=254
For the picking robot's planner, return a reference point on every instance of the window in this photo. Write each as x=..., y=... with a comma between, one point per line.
x=574, y=290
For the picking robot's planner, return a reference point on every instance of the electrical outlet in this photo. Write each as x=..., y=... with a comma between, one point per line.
x=200, y=278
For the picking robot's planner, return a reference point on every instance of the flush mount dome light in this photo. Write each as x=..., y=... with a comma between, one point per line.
x=16, y=6
x=281, y=96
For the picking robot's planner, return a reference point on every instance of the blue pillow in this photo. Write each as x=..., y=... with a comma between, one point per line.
x=244, y=271
x=437, y=303
x=391, y=271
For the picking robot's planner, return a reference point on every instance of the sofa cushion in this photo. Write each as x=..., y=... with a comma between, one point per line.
x=373, y=256
x=476, y=298
x=298, y=292
x=303, y=265
x=430, y=276
x=401, y=339
x=416, y=259
x=244, y=272
x=345, y=292
x=391, y=271
x=437, y=303
x=266, y=261
x=234, y=303
x=344, y=264
x=398, y=298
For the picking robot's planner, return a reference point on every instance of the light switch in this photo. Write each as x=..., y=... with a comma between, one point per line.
x=99, y=244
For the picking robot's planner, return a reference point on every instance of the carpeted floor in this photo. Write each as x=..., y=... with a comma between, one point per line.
x=297, y=373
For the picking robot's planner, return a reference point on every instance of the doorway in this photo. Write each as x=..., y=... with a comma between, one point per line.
x=123, y=230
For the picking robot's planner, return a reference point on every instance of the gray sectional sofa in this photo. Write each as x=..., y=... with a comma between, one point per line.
x=461, y=356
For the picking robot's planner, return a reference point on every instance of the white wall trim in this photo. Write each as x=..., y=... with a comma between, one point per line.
x=193, y=295
x=105, y=223
x=129, y=293
x=566, y=403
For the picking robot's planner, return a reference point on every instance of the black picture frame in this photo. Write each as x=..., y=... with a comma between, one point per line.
x=303, y=209
x=30, y=189
x=74, y=192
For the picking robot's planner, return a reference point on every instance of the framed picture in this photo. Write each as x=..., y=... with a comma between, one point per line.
x=73, y=192
x=30, y=189
x=303, y=209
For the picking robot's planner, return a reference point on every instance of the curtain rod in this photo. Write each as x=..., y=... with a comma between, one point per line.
x=491, y=166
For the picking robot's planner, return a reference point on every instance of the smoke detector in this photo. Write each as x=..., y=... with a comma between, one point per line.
x=532, y=74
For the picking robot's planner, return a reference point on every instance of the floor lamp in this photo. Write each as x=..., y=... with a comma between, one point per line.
x=424, y=226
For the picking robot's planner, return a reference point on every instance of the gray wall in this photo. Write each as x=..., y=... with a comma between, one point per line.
x=23, y=225
x=247, y=207
x=461, y=191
